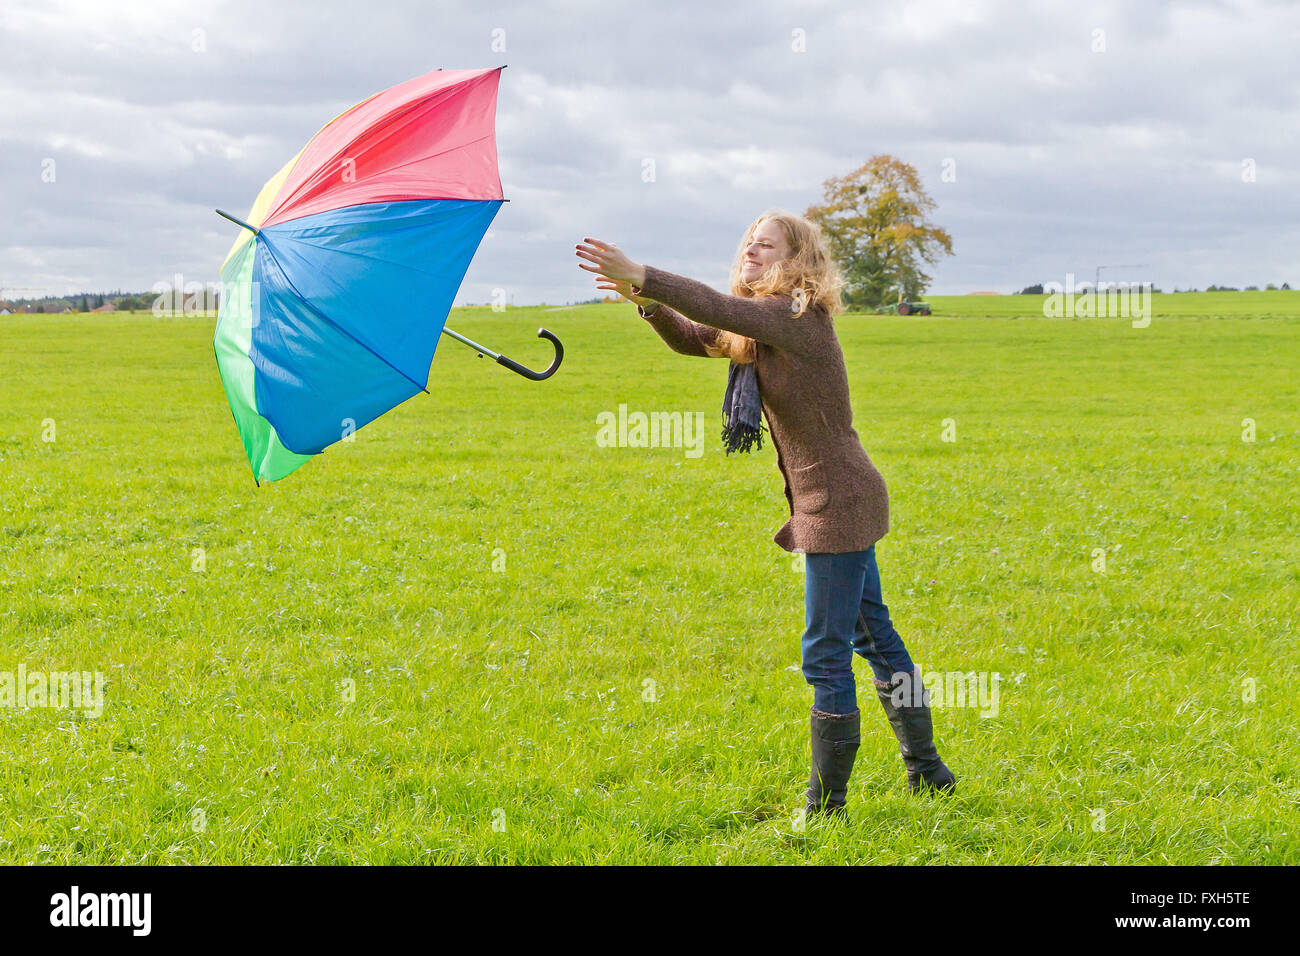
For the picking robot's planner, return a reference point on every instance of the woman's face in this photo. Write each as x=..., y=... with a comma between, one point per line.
x=766, y=246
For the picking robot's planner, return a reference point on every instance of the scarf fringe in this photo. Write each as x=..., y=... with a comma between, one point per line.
x=741, y=437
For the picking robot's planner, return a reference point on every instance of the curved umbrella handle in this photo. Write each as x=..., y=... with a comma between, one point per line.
x=525, y=371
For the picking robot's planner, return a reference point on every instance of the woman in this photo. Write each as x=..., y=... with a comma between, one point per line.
x=777, y=329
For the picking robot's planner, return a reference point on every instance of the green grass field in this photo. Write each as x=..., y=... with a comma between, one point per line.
x=472, y=634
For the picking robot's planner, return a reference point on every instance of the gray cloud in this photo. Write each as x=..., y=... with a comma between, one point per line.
x=1066, y=158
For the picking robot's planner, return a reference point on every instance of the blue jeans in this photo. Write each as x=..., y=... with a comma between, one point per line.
x=845, y=614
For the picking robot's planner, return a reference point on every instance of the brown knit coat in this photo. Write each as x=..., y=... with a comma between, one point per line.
x=838, y=501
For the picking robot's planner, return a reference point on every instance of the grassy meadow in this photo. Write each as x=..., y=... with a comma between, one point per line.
x=474, y=635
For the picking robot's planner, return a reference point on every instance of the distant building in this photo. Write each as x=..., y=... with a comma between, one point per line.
x=106, y=307
x=983, y=293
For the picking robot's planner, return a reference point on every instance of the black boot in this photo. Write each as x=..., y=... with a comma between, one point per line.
x=914, y=730
x=835, y=740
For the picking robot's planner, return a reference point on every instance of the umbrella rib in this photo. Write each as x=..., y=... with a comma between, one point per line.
x=315, y=180
x=285, y=227
x=303, y=300
x=362, y=255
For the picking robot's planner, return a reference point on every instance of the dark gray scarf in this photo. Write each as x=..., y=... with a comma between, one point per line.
x=742, y=409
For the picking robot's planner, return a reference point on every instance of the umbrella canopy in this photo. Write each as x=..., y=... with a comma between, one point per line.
x=336, y=293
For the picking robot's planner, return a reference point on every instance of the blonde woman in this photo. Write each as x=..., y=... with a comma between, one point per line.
x=777, y=329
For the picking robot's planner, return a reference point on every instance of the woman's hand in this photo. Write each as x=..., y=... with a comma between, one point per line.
x=610, y=262
x=624, y=288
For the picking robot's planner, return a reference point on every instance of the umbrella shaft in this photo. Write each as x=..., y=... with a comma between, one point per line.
x=470, y=342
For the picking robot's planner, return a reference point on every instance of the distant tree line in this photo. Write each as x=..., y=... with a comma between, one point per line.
x=1037, y=288
x=82, y=302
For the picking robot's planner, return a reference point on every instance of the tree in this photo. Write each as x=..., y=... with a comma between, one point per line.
x=1036, y=289
x=874, y=222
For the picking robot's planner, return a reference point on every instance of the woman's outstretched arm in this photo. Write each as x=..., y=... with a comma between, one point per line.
x=767, y=319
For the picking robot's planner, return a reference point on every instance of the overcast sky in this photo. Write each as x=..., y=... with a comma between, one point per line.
x=1159, y=134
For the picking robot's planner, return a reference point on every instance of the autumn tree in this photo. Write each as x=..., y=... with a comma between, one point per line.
x=874, y=220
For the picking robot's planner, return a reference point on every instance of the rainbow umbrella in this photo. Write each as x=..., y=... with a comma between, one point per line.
x=336, y=294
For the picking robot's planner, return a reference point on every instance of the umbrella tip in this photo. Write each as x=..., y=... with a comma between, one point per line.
x=238, y=221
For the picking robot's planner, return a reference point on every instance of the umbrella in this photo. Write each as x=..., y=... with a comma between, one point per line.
x=336, y=291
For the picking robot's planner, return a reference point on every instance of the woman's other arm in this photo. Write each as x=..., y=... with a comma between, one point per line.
x=681, y=334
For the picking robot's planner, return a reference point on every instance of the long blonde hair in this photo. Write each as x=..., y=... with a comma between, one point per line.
x=809, y=275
